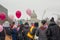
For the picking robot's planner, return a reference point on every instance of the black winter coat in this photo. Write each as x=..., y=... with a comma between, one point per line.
x=53, y=31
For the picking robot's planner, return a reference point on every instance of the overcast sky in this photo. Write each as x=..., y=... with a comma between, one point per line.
x=51, y=6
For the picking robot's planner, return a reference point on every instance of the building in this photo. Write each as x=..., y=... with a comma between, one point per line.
x=5, y=10
x=33, y=16
x=58, y=20
x=33, y=19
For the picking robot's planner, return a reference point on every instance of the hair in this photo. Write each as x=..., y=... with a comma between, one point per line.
x=52, y=19
x=43, y=22
x=26, y=23
x=13, y=22
x=36, y=24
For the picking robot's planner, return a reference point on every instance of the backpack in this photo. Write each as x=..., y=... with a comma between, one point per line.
x=29, y=34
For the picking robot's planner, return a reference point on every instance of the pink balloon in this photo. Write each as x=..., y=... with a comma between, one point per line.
x=18, y=14
x=11, y=17
x=28, y=11
x=3, y=16
x=1, y=28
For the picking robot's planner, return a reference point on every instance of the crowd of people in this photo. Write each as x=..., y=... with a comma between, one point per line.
x=46, y=31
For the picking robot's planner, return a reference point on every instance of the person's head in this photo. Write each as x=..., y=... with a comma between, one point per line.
x=32, y=24
x=13, y=23
x=44, y=25
x=21, y=26
x=26, y=24
x=43, y=22
x=36, y=24
x=52, y=19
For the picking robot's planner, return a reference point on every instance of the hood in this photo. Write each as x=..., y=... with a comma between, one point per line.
x=52, y=23
x=6, y=24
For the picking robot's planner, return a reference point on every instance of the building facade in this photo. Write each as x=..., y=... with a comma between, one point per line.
x=5, y=10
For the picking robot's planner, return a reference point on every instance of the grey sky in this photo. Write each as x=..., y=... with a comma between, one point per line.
x=51, y=6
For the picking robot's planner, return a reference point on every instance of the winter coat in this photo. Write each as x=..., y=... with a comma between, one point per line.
x=53, y=31
x=41, y=33
x=25, y=31
x=14, y=32
x=20, y=33
x=2, y=34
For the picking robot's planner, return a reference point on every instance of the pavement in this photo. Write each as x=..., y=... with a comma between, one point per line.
x=8, y=37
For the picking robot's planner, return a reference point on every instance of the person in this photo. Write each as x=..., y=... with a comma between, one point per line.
x=41, y=31
x=14, y=31
x=32, y=31
x=53, y=30
x=20, y=32
x=6, y=26
x=2, y=33
x=25, y=30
